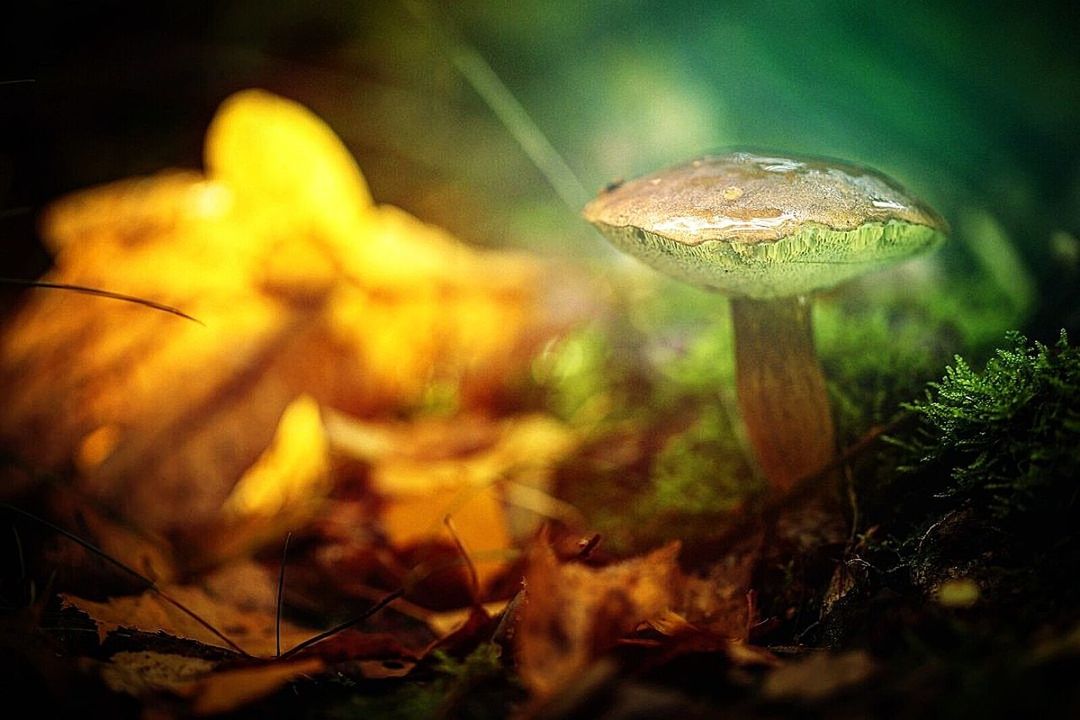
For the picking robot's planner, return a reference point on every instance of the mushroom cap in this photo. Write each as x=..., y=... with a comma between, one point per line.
x=764, y=226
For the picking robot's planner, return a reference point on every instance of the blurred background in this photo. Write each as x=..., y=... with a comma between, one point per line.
x=971, y=104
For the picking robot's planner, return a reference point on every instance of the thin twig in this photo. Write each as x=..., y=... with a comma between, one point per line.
x=98, y=292
x=150, y=584
x=343, y=626
x=501, y=101
x=474, y=578
x=281, y=592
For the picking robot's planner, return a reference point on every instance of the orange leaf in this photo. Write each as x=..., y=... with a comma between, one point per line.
x=573, y=613
x=427, y=470
x=306, y=288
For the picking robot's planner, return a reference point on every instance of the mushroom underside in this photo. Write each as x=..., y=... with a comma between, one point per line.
x=815, y=258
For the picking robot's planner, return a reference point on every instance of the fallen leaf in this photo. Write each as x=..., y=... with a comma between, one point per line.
x=142, y=673
x=306, y=288
x=230, y=689
x=291, y=473
x=146, y=553
x=353, y=645
x=252, y=146
x=464, y=468
x=283, y=490
x=239, y=602
x=446, y=623
x=206, y=689
x=383, y=669
x=718, y=601
x=573, y=613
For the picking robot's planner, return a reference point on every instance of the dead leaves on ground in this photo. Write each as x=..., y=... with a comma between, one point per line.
x=568, y=620
x=491, y=478
x=574, y=614
x=239, y=600
x=307, y=289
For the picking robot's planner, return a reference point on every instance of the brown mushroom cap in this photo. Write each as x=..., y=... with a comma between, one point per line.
x=756, y=226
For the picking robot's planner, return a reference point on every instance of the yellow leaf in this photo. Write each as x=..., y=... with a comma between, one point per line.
x=479, y=521
x=305, y=288
x=291, y=478
x=282, y=491
x=286, y=166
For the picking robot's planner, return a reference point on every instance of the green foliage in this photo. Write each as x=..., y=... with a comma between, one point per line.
x=579, y=378
x=650, y=356
x=408, y=701
x=701, y=470
x=981, y=486
x=1007, y=438
x=882, y=338
x=876, y=358
x=661, y=369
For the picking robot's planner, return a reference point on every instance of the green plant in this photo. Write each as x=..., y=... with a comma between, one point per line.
x=1005, y=439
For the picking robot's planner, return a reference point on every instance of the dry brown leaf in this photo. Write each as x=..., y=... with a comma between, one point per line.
x=718, y=602
x=462, y=468
x=305, y=288
x=446, y=623
x=239, y=601
x=206, y=690
x=573, y=613
x=143, y=673
x=383, y=669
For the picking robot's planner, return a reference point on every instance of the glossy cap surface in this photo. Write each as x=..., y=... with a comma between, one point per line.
x=765, y=226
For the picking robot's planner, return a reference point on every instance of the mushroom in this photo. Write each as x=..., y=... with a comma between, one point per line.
x=767, y=232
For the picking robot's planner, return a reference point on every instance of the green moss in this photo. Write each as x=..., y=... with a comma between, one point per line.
x=875, y=359
x=882, y=340
x=1005, y=439
x=407, y=701
x=700, y=470
x=652, y=389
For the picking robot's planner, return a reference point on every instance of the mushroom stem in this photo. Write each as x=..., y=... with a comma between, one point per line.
x=781, y=389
